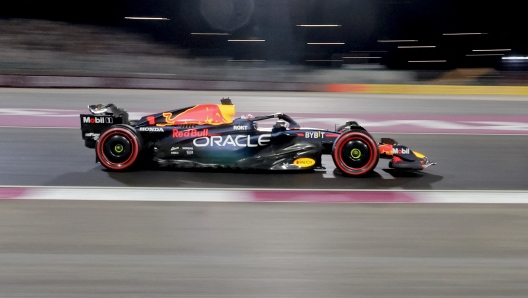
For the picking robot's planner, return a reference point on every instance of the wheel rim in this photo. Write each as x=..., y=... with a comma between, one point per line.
x=356, y=154
x=117, y=148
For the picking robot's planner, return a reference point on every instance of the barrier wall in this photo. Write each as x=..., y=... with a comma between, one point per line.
x=38, y=81
x=426, y=89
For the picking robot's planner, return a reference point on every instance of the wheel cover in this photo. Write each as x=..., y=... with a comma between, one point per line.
x=117, y=148
x=355, y=153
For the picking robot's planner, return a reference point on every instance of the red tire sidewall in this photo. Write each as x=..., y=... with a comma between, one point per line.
x=343, y=140
x=130, y=136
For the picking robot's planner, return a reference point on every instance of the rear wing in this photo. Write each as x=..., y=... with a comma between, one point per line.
x=100, y=118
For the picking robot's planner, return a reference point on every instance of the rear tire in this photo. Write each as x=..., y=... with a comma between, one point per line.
x=355, y=153
x=118, y=147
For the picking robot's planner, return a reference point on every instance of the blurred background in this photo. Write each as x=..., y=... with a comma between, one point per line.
x=332, y=41
x=103, y=244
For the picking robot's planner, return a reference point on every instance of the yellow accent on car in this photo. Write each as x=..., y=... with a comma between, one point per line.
x=228, y=112
x=304, y=162
x=355, y=153
x=418, y=154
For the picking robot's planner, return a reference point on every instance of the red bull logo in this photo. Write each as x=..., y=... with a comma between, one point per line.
x=390, y=150
x=189, y=133
x=386, y=149
x=202, y=114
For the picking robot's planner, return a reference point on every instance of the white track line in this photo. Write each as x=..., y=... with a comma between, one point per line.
x=251, y=195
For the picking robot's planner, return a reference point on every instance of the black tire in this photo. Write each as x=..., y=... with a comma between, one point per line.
x=355, y=153
x=118, y=147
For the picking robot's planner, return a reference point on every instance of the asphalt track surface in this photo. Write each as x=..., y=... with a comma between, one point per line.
x=137, y=249
x=182, y=249
x=470, y=161
x=57, y=157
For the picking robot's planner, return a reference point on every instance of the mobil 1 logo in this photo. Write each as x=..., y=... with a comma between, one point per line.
x=97, y=119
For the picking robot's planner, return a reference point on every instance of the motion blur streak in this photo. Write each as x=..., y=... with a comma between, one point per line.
x=181, y=194
x=146, y=249
x=318, y=25
x=147, y=18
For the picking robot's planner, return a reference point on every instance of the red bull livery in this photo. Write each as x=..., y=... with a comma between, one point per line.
x=210, y=136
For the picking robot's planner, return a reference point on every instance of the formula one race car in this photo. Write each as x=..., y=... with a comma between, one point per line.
x=208, y=135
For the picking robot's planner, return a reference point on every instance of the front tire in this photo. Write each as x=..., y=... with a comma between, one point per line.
x=355, y=153
x=118, y=148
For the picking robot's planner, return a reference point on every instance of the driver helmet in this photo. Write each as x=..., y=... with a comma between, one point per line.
x=279, y=126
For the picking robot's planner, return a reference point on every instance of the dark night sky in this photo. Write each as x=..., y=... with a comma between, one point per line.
x=363, y=24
